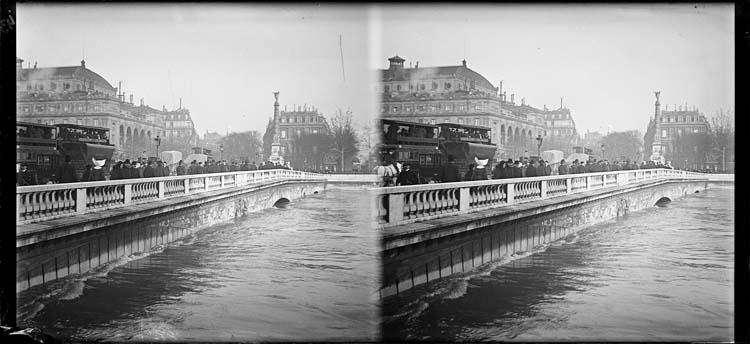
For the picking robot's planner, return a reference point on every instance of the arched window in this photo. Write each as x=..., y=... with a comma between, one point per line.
x=434, y=85
x=422, y=87
x=398, y=87
x=447, y=85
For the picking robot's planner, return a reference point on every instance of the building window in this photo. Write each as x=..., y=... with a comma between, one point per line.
x=447, y=85
x=420, y=108
x=663, y=133
x=422, y=87
x=433, y=121
x=407, y=109
x=434, y=85
x=52, y=86
x=387, y=88
x=66, y=86
x=394, y=109
x=411, y=87
x=398, y=87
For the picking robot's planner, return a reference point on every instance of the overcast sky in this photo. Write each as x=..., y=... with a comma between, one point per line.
x=605, y=61
x=225, y=61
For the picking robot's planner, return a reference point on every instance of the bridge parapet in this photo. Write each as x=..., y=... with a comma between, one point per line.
x=400, y=205
x=44, y=202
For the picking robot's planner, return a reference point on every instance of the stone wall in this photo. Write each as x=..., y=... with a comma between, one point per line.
x=502, y=235
x=127, y=233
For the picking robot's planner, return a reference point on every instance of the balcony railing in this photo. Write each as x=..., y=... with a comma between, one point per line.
x=407, y=204
x=44, y=202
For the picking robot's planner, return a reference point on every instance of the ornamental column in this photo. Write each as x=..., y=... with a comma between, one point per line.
x=276, y=145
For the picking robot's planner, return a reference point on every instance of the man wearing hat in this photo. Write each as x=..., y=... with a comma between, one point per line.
x=407, y=176
x=480, y=172
x=25, y=177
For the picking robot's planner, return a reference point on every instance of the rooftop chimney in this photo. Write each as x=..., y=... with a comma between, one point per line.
x=523, y=101
x=34, y=64
x=416, y=65
x=463, y=62
x=131, y=99
x=83, y=63
x=141, y=101
x=512, y=98
x=180, y=102
x=19, y=63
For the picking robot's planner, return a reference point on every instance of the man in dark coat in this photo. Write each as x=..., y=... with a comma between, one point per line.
x=407, y=176
x=449, y=172
x=252, y=167
x=25, y=177
x=125, y=169
x=200, y=169
x=115, y=173
x=181, y=170
x=563, y=168
x=499, y=171
x=531, y=170
x=149, y=171
x=66, y=173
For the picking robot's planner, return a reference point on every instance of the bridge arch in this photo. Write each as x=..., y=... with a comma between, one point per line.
x=662, y=202
x=281, y=202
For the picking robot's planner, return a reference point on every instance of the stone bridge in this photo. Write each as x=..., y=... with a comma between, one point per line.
x=436, y=230
x=65, y=229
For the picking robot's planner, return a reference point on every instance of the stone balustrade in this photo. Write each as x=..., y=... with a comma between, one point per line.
x=399, y=205
x=44, y=202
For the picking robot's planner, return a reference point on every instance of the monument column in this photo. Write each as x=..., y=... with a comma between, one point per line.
x=276, y=145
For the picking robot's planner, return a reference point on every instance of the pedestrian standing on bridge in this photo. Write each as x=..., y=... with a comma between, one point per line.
x=181, y=170
x=149, y=171
x=24, y=177
x=499, y=171
x=200, y=169
x=563, y=168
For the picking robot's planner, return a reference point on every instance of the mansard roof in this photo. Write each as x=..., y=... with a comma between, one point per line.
x=75, y=72
x=428, y=73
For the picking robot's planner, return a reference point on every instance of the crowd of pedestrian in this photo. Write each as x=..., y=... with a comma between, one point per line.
x=396, y=174
x=139, y=168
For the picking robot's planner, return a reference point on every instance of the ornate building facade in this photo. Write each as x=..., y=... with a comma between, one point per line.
x=78, y=95
x=667, y=126
x=458, y=94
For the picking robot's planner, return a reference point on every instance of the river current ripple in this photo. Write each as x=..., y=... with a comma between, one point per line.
x=661, y=274
x=309, y=271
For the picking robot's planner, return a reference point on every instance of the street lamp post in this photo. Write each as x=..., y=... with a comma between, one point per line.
x=539, y=140
x=221, y=150
x=603, y=148
x=158, y=143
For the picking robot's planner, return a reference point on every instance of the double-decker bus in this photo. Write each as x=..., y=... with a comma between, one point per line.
x=84, y=143
x=464, y=142
x=414, y=143
x=36, y=147
x=43, y=147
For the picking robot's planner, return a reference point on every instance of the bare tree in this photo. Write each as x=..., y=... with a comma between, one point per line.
x=344, y=136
